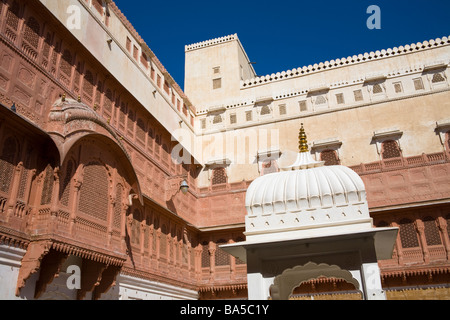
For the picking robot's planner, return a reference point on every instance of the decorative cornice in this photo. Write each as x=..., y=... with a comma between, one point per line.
x=425, y=270
x=89, y=254
x=211, y=42
x=12, y=238
x=350, y=60
x=215, y=288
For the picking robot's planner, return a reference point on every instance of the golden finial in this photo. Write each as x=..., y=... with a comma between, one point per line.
x=63, y=98
x=79, y=98
x=303, y=142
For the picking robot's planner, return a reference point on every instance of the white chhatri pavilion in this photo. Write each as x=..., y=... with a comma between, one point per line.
x=308, y=221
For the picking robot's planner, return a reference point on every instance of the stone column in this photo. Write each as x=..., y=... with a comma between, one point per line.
x=232, y=263
x=198, y=261
x=109, y=220
x=123, y=225
x=73, y=205
x=15, y=183
x=258, y=286
x=54, y=202
x=398, y=244
x=257, y=289
x=423, y=241
x=442, y=224
x=158, y=246
x=212, y=259
x=151, y=234
x=371, y=280
x=142, y=227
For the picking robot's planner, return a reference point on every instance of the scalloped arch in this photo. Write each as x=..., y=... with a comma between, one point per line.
x=285, y=283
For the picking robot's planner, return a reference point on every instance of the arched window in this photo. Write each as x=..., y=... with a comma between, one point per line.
x=265, y=110
x=7, y=163
x=88, y=84
x=122, y=114
x=31, y=37
x=206, y=263
x=320, y=100
x=108, y=102
x=217, y=119
x=66, y=62
x=330, y=157
x=219, y=176
x=408, y=234
x=140, y=130
x=431, y=231
x=12, y=21
x=131, y=120
x=94, y=191
x=25, y=175
x=150, y=139
x=222, y=258
x=437, y=77
x=47, y=187
x=158, y=144
x=377, y=88
x=136, y=227
x=390, y=149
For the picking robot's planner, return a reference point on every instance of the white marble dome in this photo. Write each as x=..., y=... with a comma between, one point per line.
x=301, y=190
x=307, y=198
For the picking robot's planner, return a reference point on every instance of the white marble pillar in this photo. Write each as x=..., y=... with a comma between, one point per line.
x=371, y=279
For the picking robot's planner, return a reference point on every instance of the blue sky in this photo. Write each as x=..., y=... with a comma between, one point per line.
x=284, y=34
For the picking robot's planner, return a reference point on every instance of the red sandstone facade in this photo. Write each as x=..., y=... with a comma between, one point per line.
x=85, y=170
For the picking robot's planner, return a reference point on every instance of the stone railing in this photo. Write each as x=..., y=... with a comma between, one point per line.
x=401, y=162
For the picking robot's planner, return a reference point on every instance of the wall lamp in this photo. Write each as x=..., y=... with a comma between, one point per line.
x=184, y=187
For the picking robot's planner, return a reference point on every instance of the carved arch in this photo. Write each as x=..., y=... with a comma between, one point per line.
x=285, y=283
x=70, y=122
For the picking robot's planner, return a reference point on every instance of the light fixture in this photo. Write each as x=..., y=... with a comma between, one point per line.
x=184, y=187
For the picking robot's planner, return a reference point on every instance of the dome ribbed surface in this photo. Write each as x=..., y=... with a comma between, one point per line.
x=297, y=190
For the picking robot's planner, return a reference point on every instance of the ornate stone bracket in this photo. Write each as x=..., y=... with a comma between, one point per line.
x=91, y=277
x=31, y=262
x=50, y=268
x=108, y=280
